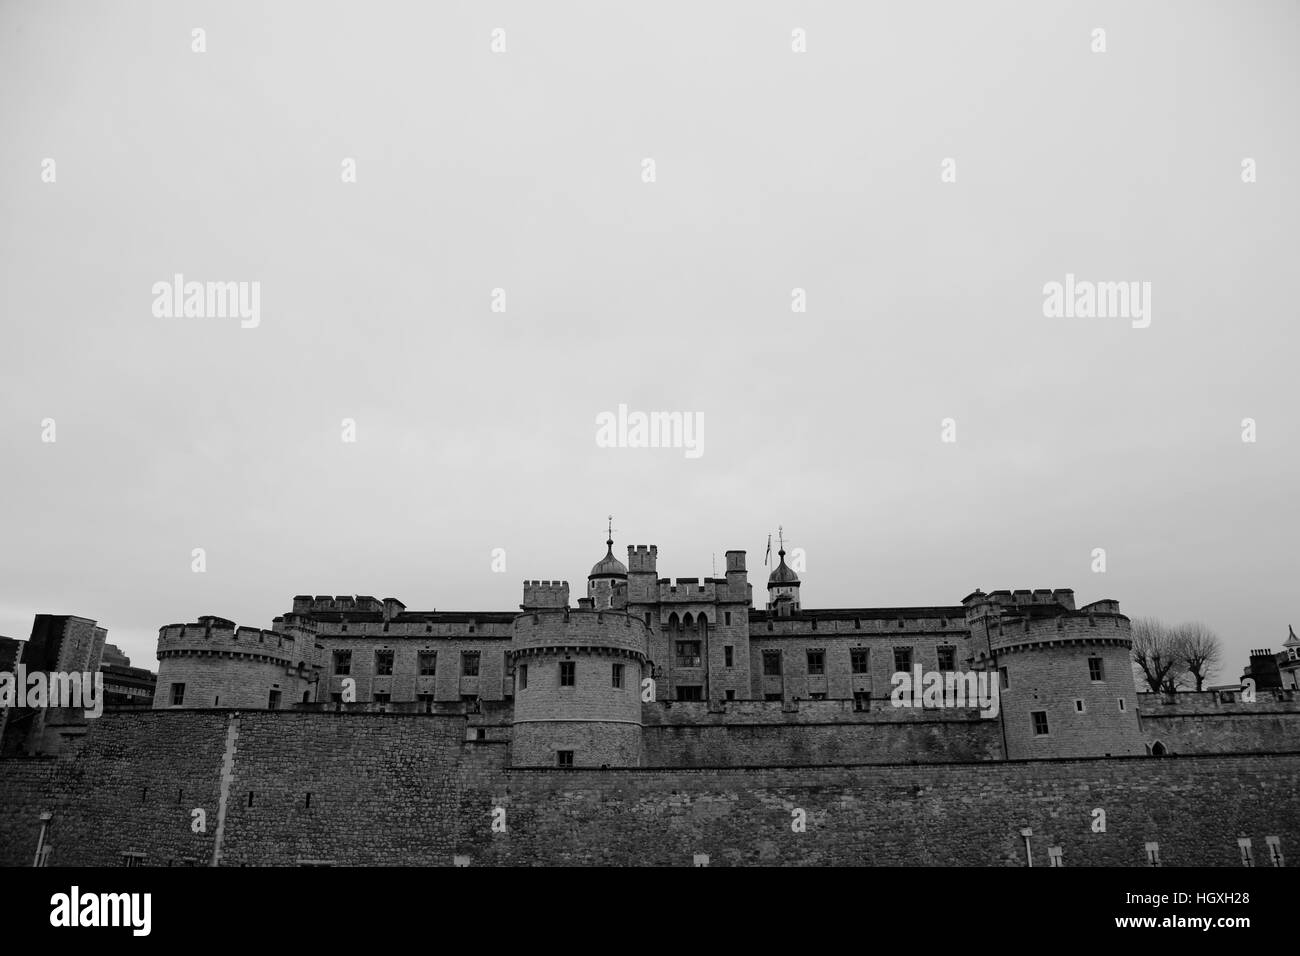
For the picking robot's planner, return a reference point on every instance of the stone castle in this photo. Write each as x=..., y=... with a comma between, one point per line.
x=658, y=722
x=595, y=685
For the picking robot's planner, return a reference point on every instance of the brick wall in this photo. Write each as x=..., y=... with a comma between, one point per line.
x=388, y=788
x=1203, y=722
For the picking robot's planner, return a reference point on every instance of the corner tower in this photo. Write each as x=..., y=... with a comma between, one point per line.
x=782, y=586
x=607, y=582
x=577, y=688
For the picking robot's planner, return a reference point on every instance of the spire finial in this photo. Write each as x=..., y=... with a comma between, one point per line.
x=780, y=537
x=609, y=530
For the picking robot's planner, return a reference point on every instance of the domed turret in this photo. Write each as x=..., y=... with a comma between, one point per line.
x=607, y=582
x=782, y=585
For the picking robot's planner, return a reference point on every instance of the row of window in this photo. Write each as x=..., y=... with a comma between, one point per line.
x=569, y=675
x=688, y=654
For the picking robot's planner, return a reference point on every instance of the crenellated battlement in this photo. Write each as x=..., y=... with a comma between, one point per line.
x=545, y=594
x=1098, y=623
x=642, y=559
x=215, y=635
x=579, y=628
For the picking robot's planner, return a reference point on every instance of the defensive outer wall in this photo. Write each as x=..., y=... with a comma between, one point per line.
x=286, y=788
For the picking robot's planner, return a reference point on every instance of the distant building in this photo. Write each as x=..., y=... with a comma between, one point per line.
x=60, y=643
x=124, y=685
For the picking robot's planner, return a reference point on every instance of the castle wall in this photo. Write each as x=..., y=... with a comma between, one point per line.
x=1202, y=722
x=755, y=733
x=406, y=683
x=387, y=788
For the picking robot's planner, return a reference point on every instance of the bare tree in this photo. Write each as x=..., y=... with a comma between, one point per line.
x=1200, y=650
x=1157, y=656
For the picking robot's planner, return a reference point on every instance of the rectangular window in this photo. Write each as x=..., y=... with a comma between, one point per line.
x=1121, y=702
x=817, y=696
x=1078, y=706
x=688, y=653
x=772, y=665
x=178, y=694
x=343, y=662
x=1006, y=678
x=771, y=696
x=647, y=618
x=384, y=663
x=616, y=676
x=336, y=698
x=568, y=673
x=1095, y=671
x=728, y=655
x=273, y=703
x=902, y=659
x=381, y=698
x=428, y=663
x=731, y=695
x=564, y=758
x=947, y=658
x=690, y=692
x=469, y=663
x=816, y=663
x=522, y=673
x=861, y=700
x=426, y=702
x=726, y=618
x=1040, y=722
x=858, y=660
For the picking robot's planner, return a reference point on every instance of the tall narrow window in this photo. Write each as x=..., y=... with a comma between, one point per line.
x=522, y=672
x=469, y=663
x=616, y=676
x=772, y=665
x=568, y=673
x=858, y=660
x=178, y=694
x=342, y=662
x=728, y=654
x=1040, y=722
x=384, y=663
x=947, y=658
x=816, y=663
x=1095, y=670
x=902, y=659
x=428, y=663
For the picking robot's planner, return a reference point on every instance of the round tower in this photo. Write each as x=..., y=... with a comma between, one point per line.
x=577, y=688
x=1065, y=675
x=213, y=663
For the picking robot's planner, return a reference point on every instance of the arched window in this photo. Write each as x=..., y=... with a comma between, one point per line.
x=1157, y=749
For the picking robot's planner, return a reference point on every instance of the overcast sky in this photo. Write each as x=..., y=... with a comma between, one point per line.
x=523, y=171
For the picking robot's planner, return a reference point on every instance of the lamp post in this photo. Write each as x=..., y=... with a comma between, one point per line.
x=46, y=817
x=1029, y=857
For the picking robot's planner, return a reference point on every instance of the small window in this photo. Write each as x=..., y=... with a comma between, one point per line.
x=1040, y=722
x=947, y=658
x=861, y=700
x=902, y=659
x=1121, y=703
x=522, y=672
x=817, y=696
x=728, y=655
x=616, y=675
x=469, y=663
x=381, y=698
x=178, y=694
x=1078, y=706
x=816, y=663
x=342, y=662
x=273, y=702
x=568, y=673
x=564, y=758
x=647, y=618
x=688, y=653
x=772, y=665
x=858, y=660
x=857, y=624
x=428, y=663
x=426, y=702
x=726, y=618
x=771, y=696
x=690, y=692
x=731, y=695
x=133, y=859
x=1006, y=677
x=1095, y=669
x=384, y=663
